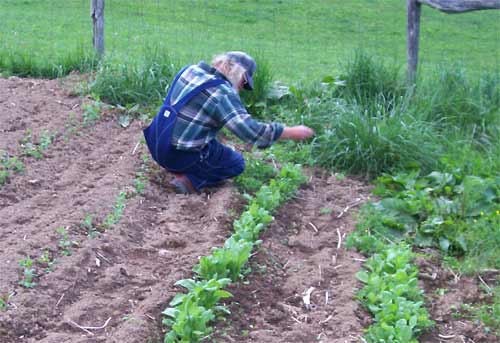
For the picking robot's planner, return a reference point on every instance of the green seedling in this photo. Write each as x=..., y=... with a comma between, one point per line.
x=113, y=218
x=88, y=224
x=29, y=147
x=325, y=210
x=4, y=301
x=45, y=140
x=9, y=165
x=140, y=182
x=190, y=314
x=28, y=273
x=91, y=113
x=65, y=243
x=392, y=295
x=45, y=260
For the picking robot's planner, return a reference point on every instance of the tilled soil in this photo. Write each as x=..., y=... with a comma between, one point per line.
x=303, y=251
x=116, y=281
x=446, y=293
x=121, y=279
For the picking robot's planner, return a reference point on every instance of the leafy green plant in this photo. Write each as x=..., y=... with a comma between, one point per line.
x=208, y=292
x=45, y=140
x=65, y=243
x=8, y=165
x=32, y=149
x=4, y=301
x=29, y=147
x=46, y=261
x=455, y=213
x=28, y=273
x=189, y=322
x=190, y=313
x=255, y=175
x=91, y=112
x=118, y=208
x=88, y=224
x=392, y=295
x=225, y=262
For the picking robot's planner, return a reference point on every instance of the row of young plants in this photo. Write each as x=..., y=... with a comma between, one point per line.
x=392, y=295
x=31, y=269
x=36, y=148
x=456, y=215
x=368, y=121
x=190, y=314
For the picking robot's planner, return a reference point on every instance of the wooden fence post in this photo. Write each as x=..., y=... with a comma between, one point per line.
x=412, y=35
x=97, y=15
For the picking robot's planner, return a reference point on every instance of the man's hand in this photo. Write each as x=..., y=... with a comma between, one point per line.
x=297, y=133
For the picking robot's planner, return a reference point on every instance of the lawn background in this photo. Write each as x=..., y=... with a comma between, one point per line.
x=301, y=40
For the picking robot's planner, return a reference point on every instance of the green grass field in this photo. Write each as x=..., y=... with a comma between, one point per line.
x=301, y=40
x=442, y=135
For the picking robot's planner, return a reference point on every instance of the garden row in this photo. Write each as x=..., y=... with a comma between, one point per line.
x=191, y=313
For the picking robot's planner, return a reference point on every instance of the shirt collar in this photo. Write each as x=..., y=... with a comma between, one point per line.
x=209, y=69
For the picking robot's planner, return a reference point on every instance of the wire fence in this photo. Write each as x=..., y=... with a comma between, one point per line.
x=299, y=39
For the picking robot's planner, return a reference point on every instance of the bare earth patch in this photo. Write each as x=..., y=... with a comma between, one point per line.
x=113, y=287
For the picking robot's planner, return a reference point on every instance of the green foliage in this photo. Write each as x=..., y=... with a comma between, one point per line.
x=9, y=165
x=118, y=208
x=29, y=273
x=367, y=82
x=143, y=81
x=190, y=313
x=256, y=174
x=208, y=292
x=4, y=301
x=455, y=102
x=88, y=224
x=27, y=63
x=456, y=213
x=46, y=261
x=255, y=100
x=65, y=243
x=225, y=262
x=251, y=223
x=91, y=112
x=189, y=323
x=30, y=148
x=392, y=295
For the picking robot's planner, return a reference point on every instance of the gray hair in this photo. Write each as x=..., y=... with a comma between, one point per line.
x=229, y=68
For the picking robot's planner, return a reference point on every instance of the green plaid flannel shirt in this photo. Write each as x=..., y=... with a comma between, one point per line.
x=204, y=115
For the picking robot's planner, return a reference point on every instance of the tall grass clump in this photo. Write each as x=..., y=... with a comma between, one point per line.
x=459, y=103
x=368, y=122
x=367, y=143
x=256, y=99
x=367, y=80
x=142, y=81
x=29, y=64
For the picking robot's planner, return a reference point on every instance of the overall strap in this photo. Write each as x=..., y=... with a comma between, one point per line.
x=170, y=89
x=198, y=89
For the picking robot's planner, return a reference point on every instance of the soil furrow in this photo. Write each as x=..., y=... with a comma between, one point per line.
x=35, y=105
x=301, y=253
x=75, y=179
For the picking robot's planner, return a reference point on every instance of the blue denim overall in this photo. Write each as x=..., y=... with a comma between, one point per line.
x=207, y=167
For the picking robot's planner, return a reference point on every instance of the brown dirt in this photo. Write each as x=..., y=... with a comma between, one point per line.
x=300, y=251
x=445, y=293
x=128, y=272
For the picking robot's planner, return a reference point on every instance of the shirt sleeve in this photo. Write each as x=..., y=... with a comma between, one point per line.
x=235, y=117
